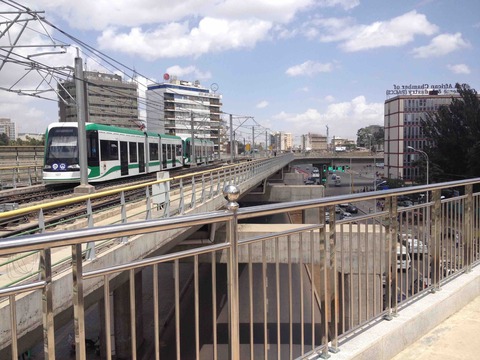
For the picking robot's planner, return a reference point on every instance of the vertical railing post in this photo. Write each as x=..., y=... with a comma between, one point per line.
x=90, y=254
x=468, y=216
x=78, y=302
x=391, y=260
x=437, y=261
x=231, y=193
x=47, y=304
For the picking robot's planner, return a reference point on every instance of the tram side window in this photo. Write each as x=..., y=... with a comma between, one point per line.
x=109, y=150
x=153, y=151
x=92, y=148
x=133, y=152
x=178, y=150
x=169, y=151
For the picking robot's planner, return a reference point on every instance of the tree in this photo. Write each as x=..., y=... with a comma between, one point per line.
x=453, y=133
x=370, y=136
x=4, y=139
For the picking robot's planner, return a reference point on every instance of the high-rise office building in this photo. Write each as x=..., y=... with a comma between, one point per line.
x=9, y=128
x=403, y=116
x=109, y=100
x=184, y=109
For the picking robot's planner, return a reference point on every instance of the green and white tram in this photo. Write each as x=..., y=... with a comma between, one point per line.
x=112, y=153
x=203, y=151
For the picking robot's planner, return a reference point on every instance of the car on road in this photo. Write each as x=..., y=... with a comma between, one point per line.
x=352, y=209
x=403, y=257
x=414, y=246
x=311, y=181
x=346, y=214
x=349, y=207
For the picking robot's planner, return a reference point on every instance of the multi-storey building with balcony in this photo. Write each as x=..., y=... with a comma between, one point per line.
x=108, y=100
x=184, y=109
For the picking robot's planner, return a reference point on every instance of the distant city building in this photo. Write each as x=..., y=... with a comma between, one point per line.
x=282, y=141
x=403, y=116
x=9, y=128
x=314, y=142
x=28, y=136
x=109, y=100
x=336, y=141
x=172, y=106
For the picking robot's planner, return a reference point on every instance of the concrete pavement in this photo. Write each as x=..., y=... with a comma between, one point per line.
x=440, y=325
x=458, y=337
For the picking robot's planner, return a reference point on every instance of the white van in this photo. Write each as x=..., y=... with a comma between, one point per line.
x=403, y=257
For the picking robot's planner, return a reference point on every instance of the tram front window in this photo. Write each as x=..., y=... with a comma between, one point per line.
x=62, y=146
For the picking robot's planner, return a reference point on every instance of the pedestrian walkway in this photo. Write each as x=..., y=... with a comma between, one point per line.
x=458, y=337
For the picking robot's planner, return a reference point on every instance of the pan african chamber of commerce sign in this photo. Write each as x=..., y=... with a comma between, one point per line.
x=422, y=89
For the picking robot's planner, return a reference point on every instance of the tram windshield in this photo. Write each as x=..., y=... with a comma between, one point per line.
x=62, y=144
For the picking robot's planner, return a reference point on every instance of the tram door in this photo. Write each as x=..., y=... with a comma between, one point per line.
x=164, y=156
x=141, y=158
x=123, y=158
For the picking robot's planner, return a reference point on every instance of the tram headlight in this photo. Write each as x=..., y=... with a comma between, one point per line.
x=47, y=167
x=73, y=167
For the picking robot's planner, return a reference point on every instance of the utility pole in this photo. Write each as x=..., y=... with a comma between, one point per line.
x=266, y=145
x=84, y=187
x=193, y=158
x=253, y=141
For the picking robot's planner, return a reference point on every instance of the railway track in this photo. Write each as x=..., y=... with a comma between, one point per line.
x=59, y=216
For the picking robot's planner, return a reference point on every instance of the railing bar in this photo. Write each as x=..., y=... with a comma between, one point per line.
x=156, y=312
x=250, y=300
x=277, y=295
x=133, y=322
x=13, y=326
x=108, y=330
x=177, y=307
x=302, y=310
x=197, y=309
x=265, y=302
x=290, y=297
x=214, y=306
x=312, y=288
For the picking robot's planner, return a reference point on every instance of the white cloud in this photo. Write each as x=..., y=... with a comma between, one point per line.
x=395, y=32
x=309, y=68
x=459, y=68
x=345, y=4
x=441, y=45
x=391, y=33
x=262, y=104
x=100, y=14
x=342, y=118
x=188, y=72
x=329, y=98
x=175, y=39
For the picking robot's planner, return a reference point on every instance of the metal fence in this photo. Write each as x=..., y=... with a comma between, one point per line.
x=277, y=290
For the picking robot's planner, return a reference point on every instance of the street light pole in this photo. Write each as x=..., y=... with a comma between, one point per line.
x=426, y=157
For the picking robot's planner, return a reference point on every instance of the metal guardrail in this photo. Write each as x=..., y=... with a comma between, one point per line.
x=20, y=176
x=292, y=289
x=166, y=197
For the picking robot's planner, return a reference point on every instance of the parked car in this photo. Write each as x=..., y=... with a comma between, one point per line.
x=346, y=214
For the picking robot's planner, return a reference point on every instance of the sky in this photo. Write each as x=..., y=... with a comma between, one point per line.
x=296, y=66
